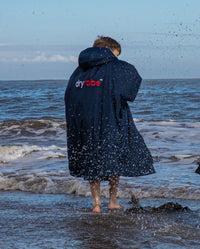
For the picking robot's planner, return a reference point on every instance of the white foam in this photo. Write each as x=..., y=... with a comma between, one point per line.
x=13, y=152
x=174, y=146
x=68, y=185
x=170, y=139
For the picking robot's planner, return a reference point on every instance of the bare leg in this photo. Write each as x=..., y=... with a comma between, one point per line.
x=114, y=182
x=95, y=190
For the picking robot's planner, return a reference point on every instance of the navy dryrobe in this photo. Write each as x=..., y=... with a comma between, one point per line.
x=102, y=138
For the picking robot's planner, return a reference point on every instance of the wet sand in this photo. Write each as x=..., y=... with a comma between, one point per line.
x=61, y=221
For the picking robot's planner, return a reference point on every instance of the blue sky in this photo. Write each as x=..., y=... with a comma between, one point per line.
x=41, y=39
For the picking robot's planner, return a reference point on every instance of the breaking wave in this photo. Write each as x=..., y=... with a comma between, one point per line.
x=41, y=127
x=52, y=184
x=10, y=153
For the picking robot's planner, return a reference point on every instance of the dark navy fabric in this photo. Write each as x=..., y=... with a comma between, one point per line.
x=102, y=138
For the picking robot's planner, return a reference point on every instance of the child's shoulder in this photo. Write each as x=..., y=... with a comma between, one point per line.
x=122, y=65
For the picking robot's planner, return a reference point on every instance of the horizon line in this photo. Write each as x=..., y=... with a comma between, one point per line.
x=195, y=78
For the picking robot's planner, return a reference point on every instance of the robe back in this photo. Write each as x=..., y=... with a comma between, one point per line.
x=102, y=138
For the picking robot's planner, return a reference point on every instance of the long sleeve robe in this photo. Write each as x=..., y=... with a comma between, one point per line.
x=102, y=138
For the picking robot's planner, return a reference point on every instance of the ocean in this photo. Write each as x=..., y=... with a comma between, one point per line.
x=42, y=206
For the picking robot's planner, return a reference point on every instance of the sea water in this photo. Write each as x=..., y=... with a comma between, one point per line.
x=33, y=150
x=33, y=160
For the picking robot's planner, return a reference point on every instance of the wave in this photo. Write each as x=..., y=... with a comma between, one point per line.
x=10, y=153
x=32, y=127
x=55, y=184
x=51, y=127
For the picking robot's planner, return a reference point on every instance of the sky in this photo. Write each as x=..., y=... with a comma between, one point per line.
x=41, y=39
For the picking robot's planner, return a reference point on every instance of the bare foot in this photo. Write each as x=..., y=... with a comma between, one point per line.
x=114, y=206
x=96, y=206
x=97, y=209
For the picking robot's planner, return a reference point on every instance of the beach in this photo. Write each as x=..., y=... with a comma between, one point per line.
x=42, y=206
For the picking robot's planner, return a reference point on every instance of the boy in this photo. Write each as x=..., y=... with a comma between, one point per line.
x=103, y=142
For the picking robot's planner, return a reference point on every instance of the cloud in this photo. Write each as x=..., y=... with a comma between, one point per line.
x=40, y=57
x=3, y=44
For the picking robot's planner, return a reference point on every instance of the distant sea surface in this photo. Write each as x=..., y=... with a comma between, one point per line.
x=33, y=147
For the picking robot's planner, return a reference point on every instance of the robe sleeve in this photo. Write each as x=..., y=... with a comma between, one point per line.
x=128, y=80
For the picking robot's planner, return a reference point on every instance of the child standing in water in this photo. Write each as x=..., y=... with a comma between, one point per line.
x=103, y=141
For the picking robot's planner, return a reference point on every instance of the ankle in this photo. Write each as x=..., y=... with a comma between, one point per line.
x=113, y=198
x=96, y=202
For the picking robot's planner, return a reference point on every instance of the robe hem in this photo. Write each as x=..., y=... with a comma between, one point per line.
x=105, y=178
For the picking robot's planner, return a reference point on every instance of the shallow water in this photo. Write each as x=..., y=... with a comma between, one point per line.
x=64, y=221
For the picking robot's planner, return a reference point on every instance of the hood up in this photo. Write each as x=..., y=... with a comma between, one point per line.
x=94, y=56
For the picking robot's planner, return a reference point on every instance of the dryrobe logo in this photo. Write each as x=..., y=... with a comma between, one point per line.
x=91, y=82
